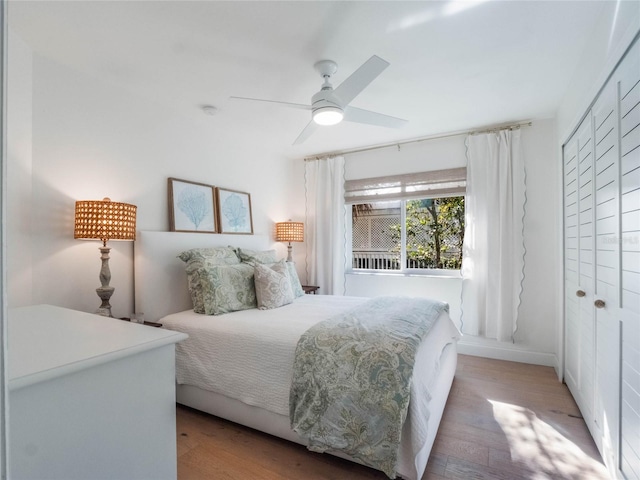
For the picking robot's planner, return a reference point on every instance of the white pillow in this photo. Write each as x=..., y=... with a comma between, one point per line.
x=273, y=287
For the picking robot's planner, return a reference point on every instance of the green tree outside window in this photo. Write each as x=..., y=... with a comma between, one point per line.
x=434, y=233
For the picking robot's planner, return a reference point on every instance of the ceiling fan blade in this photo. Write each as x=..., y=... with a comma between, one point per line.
x=306, y=133
x=352, y=114
x=286, y=104
x=358, y=81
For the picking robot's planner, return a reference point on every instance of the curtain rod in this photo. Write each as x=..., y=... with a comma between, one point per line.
x=513, y=126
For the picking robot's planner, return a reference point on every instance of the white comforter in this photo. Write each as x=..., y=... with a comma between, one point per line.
x=248, y=355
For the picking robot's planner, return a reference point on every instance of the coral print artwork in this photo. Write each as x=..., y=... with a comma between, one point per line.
x=234, y=211
x=191, y=207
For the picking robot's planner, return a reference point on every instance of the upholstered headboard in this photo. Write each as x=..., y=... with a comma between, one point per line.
x=160, y=278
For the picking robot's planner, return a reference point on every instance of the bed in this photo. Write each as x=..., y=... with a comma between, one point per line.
x=252, y=387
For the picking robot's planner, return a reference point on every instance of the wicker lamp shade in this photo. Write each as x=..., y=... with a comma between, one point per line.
x=105, y=220
x=290, y=231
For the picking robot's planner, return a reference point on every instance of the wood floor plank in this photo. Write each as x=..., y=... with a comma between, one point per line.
x=437, y=463
x=461, y=448
x=503, y=420
x=474, y=434
x=433, y=476
x=458, y=468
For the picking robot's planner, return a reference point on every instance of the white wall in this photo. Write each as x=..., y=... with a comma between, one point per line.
x=434, y=154
x=91, y=140
x=541, y=291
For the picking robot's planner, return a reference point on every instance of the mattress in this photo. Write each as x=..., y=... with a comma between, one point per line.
x=248, y=355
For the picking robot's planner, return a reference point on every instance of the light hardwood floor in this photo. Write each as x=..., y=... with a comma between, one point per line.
x=503, y=420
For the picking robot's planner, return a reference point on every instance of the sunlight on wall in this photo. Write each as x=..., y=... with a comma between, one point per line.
x=536, y=444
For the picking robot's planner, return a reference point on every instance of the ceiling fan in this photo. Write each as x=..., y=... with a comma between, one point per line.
x=330, y=106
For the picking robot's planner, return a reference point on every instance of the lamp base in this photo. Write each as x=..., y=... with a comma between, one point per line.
x=105, y=290
x=105, y=294
x=289, y=251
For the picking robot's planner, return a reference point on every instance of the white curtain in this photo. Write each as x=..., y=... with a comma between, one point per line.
x=493, y=250
x=325, y=224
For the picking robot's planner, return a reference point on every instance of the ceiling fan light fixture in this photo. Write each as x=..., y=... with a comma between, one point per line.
x=329, y=115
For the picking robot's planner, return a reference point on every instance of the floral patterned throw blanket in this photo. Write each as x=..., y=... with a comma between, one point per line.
x=352, y=377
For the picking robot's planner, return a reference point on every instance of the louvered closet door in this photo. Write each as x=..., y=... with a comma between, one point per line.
x=629, y=106
x=579, y=267
x=571, y=270
x=586, y=267
x=607, y=272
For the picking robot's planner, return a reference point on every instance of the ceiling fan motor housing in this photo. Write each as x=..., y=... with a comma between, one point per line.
x=324, y=98
x=325, y=109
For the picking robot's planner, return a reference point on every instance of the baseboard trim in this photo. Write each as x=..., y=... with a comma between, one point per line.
x=512, y=353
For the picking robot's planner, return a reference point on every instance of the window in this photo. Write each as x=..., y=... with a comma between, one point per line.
x=422, y=228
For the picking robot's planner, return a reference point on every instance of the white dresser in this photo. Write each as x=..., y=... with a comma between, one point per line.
x=90, y=397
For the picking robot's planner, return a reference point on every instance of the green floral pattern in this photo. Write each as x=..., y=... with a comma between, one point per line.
x=296, y=286
x=257, y=256
x=273, y=287
x=268, y=257
x=198, y=258
x=351, y=378
x=227, y=288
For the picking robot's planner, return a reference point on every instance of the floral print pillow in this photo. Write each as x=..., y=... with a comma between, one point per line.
x=254, y=257
x=296, y=286
x=227, y=288
x=273, y=287
x=198, y=258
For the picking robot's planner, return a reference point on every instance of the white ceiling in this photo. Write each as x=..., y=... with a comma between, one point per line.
x=454, y=65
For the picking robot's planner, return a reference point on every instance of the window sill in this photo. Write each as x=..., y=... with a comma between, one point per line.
x=445, y=274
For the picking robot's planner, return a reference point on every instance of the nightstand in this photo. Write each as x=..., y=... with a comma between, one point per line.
x=310, y=289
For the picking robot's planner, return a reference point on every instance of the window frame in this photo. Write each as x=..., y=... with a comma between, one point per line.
x=442, y=190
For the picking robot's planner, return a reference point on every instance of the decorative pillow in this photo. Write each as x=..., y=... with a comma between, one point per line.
x=209, y=257
x=227, y=288
x=254, y=257
x=296, y=286
x=198, y=258
x=273, y=287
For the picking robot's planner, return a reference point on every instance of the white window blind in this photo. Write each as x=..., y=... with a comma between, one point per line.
x=438, y=183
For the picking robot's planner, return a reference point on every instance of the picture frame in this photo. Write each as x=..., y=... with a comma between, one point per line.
x=192, y=207
x=234, y=211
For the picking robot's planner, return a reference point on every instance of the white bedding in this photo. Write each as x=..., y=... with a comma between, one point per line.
x=248, y=355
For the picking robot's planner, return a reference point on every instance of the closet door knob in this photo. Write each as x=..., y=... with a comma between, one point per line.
x=580, y=293
x=599, y=303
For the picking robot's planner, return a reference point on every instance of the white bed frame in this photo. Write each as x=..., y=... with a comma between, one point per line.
x=161, y=289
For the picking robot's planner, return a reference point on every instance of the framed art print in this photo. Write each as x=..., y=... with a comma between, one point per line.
x=234, y=211
x=191, y=207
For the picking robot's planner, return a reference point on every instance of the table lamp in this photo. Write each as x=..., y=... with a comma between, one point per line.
x=289, y=232
x=105, y=220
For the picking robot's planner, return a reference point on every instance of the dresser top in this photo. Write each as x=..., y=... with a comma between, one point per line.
x=47, y=341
